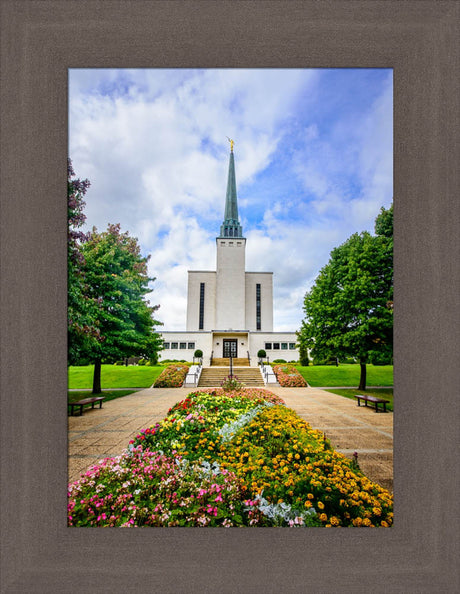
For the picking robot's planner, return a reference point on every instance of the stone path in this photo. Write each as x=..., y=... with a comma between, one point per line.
x=106, y=432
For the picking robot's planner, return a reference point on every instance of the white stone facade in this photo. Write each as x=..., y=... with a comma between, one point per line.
x=229, y=310
x=182, y=345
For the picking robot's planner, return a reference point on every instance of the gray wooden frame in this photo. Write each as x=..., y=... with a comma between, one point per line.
x=40, y=41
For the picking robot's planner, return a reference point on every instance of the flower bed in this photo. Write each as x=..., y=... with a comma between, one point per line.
x=229, y=459
x=192, y=427
x=172, y=376
x=289, y=377
x=144, y=488
x=279, y=454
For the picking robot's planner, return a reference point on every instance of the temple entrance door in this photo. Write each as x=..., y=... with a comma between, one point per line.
x=230, y=347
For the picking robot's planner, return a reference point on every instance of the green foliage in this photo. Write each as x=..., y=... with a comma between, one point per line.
x=142, y=362
x=384, y=222
x=381, y=359
x=303, y=355
x=198, y=353
x=117, y=278
x=153, y=359
x=261, y=354
x=81, y=331
x=279, y=361
x=349, y=310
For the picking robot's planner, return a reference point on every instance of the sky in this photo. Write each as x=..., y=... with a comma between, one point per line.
x=313, y=160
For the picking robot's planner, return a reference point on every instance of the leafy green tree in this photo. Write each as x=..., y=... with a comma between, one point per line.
x=81, y=332
x=384, y=223
x=117, y=280
x=303, y=355
x=349, y=310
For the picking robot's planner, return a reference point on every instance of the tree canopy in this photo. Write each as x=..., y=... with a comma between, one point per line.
x=117, y=279
x=349, y=310
x=108, y=316
x=80, y=308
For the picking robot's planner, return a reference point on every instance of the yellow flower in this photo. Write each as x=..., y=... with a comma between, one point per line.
x=320, y=505
x=310, y=496
x=308, y=504
x=357, y=522
x=334, y=521
x=323, y=517
x=384, y=524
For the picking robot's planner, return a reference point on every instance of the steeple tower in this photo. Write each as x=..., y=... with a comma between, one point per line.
x=231, y=226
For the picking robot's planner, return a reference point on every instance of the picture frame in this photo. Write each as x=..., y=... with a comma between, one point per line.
x=40, y=42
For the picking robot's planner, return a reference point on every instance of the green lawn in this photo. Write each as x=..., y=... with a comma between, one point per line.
x=108, y=395
x=347, y=375
x=114, y=376
x=386, y=393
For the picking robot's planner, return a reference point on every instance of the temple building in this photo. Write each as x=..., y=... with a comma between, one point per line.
x=230, y=310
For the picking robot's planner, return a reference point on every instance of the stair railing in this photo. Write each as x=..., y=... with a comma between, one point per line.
x=210, y=359
x=231, y=367
x=249, y=359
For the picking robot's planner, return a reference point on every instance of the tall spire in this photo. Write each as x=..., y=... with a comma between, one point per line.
x=231, y=226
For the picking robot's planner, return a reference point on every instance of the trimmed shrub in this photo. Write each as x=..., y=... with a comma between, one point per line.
x=289, y=377
x=261, y=354
x=303, y=356
x=172, y=376
x=198, y=353
x=279, y=361
x=381, y=359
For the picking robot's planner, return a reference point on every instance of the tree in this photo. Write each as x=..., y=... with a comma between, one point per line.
x=81, y=331
x=349, y=310
x=303, y=355
x=117, y=280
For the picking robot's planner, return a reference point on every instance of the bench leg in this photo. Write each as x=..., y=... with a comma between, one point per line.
x=359, y=401
x=100, y=404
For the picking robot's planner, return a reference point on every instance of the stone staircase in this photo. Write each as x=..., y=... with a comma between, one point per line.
x=212, y=377
x=237, y=362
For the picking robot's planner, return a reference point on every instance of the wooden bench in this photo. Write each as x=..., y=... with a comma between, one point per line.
x=372, y=399
x=81, y=403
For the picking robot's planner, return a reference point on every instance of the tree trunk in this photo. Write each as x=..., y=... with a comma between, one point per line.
x=362, y=379
x=97, y=377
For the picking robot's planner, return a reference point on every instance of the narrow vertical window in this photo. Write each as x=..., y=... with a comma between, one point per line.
x=258, y=319
x=201, y=322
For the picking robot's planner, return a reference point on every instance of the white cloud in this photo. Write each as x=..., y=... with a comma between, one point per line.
x=152, y=143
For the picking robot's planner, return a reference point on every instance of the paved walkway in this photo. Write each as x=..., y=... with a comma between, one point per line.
x=106, y=432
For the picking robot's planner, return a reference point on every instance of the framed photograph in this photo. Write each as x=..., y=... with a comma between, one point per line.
x=42, y=42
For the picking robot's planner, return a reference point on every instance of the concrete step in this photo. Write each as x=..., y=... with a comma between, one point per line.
x=213, y=377
x=237, y=362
